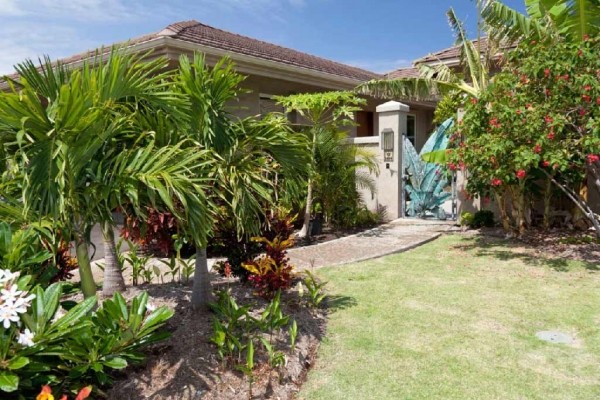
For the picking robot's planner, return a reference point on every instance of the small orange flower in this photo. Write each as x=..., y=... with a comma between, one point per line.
x=45, y=394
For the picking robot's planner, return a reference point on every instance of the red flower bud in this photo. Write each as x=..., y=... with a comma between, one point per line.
x=548, y=119
x=521, y=174
x=537, y=149
x=496, y=182
x=587, y=88
x=550, y=135
x=547, y=72
x=473, y=101
x=586, y=98
x=545, y=163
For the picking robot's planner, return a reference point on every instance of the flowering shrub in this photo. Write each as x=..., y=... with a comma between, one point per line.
x=538, y=121
x=41, y=343
x=241, y=249
x=46, y=394
x=271, y=272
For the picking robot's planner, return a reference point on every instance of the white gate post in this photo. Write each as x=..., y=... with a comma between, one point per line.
x=390, y=190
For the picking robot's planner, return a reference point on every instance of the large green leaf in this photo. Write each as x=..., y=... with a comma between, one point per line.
x=9, y=382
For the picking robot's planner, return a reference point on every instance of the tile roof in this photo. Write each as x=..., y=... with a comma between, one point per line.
x=195, y=32
x=454, y=51
x=409, y=72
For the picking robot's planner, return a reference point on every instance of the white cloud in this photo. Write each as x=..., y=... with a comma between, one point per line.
x=380, y=65
x=75, y=10
x=59, y=28
x=17, y=44
x=10, y=8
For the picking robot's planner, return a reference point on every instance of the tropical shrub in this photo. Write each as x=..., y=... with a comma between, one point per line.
x=44, y=341
x=238, y=250
x=314, y=288
x=482, y=218
x=235, y=330
x=538, y=122
x=333, y=163
x=271, y=272
x=31, y=251
x=155, y=234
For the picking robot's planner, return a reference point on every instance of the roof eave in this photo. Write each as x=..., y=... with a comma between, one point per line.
x=252, y=65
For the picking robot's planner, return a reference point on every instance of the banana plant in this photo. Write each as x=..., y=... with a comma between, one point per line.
x=572, y=20
x=427, y=180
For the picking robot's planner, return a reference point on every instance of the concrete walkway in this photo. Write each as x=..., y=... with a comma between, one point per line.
x=394, y=237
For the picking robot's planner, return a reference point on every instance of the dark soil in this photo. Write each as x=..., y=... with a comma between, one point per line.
x=553, y=244
x=186, y=366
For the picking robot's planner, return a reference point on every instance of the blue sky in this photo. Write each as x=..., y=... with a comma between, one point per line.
x=379, y=35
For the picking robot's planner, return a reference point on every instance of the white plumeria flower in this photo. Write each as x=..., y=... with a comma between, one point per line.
x=11, y=294
x=19, y=306
x=7, y=276
x=26, y=338
x=150, y=307
x=7, y=316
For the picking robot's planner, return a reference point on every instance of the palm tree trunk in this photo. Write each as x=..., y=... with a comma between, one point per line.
x=88, y=286
x=305, y=231
x=201, y=294
x=113, y=276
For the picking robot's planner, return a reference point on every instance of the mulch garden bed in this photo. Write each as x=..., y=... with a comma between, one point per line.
x=555, y=244
x=186, y=366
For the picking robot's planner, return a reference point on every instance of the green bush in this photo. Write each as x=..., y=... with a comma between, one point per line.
x=482, y=218
x=466, y=219
x=42, y=344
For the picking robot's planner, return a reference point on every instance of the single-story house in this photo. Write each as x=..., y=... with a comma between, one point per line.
x=275, y=70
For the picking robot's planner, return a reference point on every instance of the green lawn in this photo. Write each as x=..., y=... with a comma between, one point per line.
x=456, y=319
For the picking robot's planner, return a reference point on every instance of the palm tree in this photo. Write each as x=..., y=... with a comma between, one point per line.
x=471, y=79
x=245, y=151
x=326, y=114
x=570, y=19
x=66, y=130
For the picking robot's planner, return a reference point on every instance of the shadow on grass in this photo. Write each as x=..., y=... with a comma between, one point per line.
x=512, y=249
x=337, y=303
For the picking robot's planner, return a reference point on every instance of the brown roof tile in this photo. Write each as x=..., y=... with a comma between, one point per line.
x=454, y=52
x=409, y=72
x=195, y=32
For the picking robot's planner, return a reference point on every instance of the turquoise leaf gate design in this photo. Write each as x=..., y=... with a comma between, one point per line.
x=426, y=181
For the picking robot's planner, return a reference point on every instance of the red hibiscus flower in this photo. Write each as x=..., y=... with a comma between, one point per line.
x=592, y=158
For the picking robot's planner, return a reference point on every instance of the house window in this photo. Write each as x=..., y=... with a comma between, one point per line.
x=267, y=104
x=364, y=121
x=411, y=128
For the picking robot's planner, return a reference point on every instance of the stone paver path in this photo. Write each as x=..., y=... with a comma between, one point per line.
x=393, y=237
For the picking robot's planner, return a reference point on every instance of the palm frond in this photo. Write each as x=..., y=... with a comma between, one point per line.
x=509, y=25
x=470, y=55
